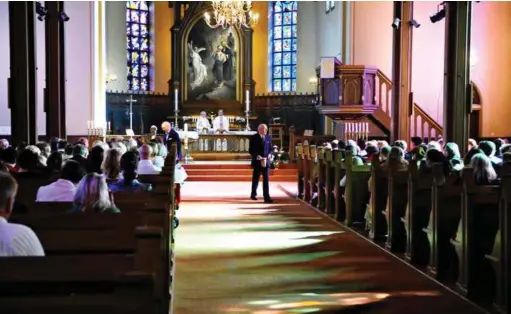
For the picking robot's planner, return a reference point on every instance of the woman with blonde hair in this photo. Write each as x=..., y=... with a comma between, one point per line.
x=112, y=165
x=92, y=195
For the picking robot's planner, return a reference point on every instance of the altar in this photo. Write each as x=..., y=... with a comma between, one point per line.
x=229, y=146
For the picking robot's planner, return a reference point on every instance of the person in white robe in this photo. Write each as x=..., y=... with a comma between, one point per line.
x=221, y=126
x=203, y=127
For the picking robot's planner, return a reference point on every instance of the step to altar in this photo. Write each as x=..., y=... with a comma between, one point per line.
x=235, y=171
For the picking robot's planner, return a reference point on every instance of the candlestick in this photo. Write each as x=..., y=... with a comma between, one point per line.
x=247, y=116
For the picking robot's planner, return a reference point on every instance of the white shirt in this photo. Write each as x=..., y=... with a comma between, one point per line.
x=203, y=123
x=221, y=122
x=158, y=162
x=58, y=191
x=145, y=166
x=18, y=240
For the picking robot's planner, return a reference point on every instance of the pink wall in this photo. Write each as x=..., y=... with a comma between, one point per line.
x=372, y=34
x=428, y=61
x=491, y=43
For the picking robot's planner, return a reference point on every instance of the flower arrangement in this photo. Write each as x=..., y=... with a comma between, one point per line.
x=240, y=120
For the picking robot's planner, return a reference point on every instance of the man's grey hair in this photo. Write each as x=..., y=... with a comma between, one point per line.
x=8, y=189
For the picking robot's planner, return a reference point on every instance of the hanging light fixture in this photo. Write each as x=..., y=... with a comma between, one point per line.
x=229, y=13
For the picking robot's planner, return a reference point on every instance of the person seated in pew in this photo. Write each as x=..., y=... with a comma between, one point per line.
x=434, y=156
x=112, y=164
x=506, y=157
x=62, y=190
x=371, y=150
x=356, y=161
x=92, y=195
x=452, y=152
x=489, y=150
x=484, y=173
x=434, y=145
x=402, y=144
x=471, y=153
x=29, y=162
x=9, y=158
x=159, y=159
x=471, y=143
x=68, y=150
x=95, y=159
x=506, y=148
x=15, y=239
x=384, y=153
x=397, y=156
x=362, y=145
x=54, y=163
x=129, y=182
x=335, y=145
x=498, y=144
x=4, y=144
x=45, y=149
x=145, y=165
x=418, y=154
x=80, y=153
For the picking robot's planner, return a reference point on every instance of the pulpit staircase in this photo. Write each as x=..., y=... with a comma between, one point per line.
x=238, y=172
x=364, y=94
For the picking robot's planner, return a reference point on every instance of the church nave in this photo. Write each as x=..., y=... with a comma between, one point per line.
x=234, y=255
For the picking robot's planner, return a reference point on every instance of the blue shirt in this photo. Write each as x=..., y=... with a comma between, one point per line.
x=135, y=186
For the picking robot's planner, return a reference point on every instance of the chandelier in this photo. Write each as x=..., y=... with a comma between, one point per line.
x=232, y=13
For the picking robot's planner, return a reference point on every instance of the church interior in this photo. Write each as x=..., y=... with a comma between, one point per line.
x=255, y=157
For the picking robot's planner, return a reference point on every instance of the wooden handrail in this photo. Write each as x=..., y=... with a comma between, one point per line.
x=425, y=121
x=423, y=125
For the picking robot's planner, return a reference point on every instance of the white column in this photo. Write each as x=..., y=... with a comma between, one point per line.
x=98, y=109
x=115, y=26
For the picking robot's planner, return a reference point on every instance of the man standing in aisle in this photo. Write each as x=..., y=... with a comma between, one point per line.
x=170, y=137
x=260, y=151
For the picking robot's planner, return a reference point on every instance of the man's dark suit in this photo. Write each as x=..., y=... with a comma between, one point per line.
x=173, y=137
x=260, y=146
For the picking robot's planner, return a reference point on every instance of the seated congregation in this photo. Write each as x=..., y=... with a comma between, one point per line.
x=442, y=212
x=95, y=228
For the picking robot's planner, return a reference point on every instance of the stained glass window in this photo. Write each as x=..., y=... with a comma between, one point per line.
x=138, y=45
x=282, y=41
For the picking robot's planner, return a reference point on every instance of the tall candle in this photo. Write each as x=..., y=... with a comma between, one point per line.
x=175, y=99
x=247, y=100
x=186, y=127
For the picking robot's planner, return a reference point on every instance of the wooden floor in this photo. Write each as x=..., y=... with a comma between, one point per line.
x=234, y=255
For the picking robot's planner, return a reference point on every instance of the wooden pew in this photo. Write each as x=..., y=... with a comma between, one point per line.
x=329, y=182
x=300, y=162
x=320, y=183
x=446, y=202
x=356, y=191
x=84, y=234
x=417, y=215
x=75, y=284
x=499, y=256
x=379, y=193
x=313, y=174
x=339, y=171
x=397, y=202
x=307, y=192
x=476, y=237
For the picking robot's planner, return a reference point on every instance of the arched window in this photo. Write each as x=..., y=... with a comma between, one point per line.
x=282, y=46
x=138, y=44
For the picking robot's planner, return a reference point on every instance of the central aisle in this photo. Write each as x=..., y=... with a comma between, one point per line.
x=234, y=255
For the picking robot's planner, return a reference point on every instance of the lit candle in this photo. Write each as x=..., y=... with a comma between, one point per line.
x=175, y=99
x=247, y=100
x=186, y=127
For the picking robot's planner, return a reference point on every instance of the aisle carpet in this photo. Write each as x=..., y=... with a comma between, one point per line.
x=234, y=255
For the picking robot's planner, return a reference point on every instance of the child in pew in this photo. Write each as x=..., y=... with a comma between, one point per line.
x=128, y=181
x=92, y=195
x=15, y=239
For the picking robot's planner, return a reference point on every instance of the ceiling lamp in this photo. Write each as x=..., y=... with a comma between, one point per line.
x=231, y=13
